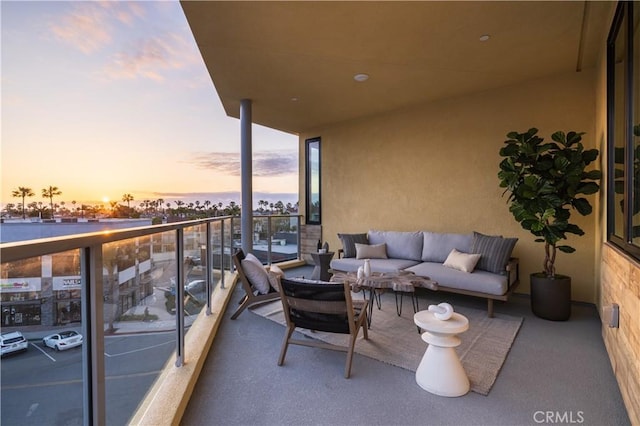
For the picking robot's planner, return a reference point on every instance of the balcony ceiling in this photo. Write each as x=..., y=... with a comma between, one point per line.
x=296, y=60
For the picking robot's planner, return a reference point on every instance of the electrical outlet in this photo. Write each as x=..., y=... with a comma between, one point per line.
x=611, y=315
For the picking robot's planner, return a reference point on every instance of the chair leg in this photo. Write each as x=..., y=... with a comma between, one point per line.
x=246, y=301
x=365, y=331
x=347, y=368
x=285, y=343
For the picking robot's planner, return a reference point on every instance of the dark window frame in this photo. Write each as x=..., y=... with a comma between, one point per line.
x=313, y=217
x=631, y=189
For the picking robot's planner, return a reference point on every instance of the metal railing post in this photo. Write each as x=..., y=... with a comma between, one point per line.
x=222, y=274
x=269, y=239
x=209, y=266
x=92, y=309
x=179, y=297
x=299, y=238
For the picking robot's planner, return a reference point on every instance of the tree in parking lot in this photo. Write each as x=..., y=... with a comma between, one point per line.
x=23, y=192
x=112, y=256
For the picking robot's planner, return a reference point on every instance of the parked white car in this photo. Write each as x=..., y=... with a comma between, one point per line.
x=12, y=342
x=63, y=340
x=196, y=286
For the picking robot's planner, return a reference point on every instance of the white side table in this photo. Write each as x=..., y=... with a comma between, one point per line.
x=440, y=371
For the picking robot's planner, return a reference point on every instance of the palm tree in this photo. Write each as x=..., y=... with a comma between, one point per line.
x=49, y=193
x=23, y=192
x=159, y=203
x=128, y=198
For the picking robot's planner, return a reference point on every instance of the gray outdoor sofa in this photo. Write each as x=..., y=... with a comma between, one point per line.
x=425, y=253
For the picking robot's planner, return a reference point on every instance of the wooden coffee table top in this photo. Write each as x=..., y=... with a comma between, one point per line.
x=397, y=281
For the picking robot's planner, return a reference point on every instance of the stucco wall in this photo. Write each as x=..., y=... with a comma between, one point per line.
x=434, y=167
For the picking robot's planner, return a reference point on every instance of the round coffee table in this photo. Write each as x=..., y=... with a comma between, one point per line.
x=440, y=371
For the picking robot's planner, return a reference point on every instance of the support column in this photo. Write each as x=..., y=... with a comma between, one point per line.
x=246, y=173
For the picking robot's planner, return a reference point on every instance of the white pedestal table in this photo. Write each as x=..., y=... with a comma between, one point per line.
x=440, y=371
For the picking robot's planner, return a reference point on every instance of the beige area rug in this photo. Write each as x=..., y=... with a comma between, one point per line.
x=395, y=340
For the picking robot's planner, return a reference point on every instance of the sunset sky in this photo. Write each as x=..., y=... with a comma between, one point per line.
x=106, y=98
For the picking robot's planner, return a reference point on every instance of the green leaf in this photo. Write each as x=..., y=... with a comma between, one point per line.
x=574, y=138
x=590, y=155
x=593, y=174
x=588, y=188
x=582, y=206
x=559, y=137
x=574, y=229
x=566, y=249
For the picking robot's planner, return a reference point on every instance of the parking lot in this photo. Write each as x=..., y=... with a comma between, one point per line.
x=44, y=386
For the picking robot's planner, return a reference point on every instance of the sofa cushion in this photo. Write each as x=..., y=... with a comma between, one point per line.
x=371, y=251
x=377, y=265
x=349, y=243
x=480, y=281
x=437, y=246
x=495, y=251
x=400, y=245
x=256, y=273
x=461, y=261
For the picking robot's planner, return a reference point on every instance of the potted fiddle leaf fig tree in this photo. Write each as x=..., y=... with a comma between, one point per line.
x=546, y=182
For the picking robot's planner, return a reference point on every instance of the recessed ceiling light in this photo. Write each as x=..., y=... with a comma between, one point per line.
x=294, y=99
x=485, y=37
x=361, y=77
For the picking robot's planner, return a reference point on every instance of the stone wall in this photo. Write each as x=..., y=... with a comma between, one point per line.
x=309, y=236
x=621, y=284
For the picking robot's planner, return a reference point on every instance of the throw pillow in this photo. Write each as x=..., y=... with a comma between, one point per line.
x=375, y=251
x=255, y=272
x=275, y=274
x=461, y=261
x=495, y=251
x=349, y=243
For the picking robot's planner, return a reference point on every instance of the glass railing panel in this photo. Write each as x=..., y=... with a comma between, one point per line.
x=139, y=318
x=216, y=259
x=284, y=238
x=262, y=236
x=41, y=368
x=195, y=282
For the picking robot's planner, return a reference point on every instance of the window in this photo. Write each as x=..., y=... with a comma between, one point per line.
x=313, y=216
x=623, y=69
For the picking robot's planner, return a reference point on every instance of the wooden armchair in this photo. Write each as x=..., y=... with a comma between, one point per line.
x=324, y=307
x=252, y=295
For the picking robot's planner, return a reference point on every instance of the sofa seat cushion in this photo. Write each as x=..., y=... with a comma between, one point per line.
x=400, y=245
x=377, y=265
x=478, y=280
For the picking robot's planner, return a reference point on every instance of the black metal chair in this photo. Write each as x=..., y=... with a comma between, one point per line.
x=323, y=307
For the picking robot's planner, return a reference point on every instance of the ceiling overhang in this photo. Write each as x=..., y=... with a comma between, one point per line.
x=296, y=61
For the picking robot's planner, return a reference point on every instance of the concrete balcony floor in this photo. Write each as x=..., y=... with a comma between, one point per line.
x=556, y=372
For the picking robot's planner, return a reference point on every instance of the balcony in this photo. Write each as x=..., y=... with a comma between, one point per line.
x=166, y=368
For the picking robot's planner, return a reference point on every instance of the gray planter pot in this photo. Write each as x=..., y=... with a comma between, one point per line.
x=551, y=297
